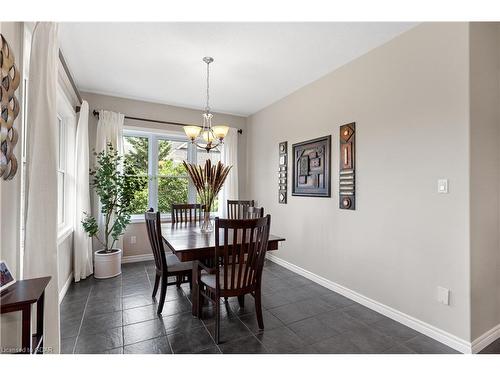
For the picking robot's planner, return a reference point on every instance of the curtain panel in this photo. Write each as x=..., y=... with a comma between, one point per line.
x=82, y=261
x=109, y=130
x=229, y=156
x=40, y=253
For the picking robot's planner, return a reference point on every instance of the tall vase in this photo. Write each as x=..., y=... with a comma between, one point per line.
x=206, y=225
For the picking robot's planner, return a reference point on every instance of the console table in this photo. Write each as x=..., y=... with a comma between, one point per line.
x=19, y=297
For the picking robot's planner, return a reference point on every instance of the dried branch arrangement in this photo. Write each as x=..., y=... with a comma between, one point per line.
x=208, y=180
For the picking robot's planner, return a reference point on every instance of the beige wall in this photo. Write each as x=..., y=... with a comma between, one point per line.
x=485, y=170
x=409, y=99
x=143, y=109
x=10, y=199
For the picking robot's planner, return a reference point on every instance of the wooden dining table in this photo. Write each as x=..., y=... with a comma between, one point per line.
x=187, y=242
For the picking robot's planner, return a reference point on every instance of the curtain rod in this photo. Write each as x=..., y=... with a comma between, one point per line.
x=96, y=114
x=70, y=77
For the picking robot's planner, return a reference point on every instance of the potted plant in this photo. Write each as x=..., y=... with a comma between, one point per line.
x=115, y=186
x=208, y=180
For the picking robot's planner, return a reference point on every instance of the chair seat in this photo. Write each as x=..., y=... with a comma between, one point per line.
x=175, y=265
x=209, y=279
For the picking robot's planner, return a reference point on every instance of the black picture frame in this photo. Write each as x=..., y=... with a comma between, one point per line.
x=313, y=179
x=6, y=277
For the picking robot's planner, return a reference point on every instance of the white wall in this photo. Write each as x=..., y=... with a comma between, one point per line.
x=410, y=101
x=485, y=174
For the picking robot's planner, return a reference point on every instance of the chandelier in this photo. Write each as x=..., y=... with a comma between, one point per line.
x=207, y=136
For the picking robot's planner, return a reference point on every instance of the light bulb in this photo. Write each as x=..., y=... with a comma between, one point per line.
x=208, y=136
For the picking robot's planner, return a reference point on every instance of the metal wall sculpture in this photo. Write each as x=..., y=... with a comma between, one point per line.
x=282, y=172
x=311, y=168
x=347, y=183
x=9, y=109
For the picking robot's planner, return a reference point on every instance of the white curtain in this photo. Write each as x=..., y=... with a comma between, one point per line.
x=109, y=130
x=82, y=242
x=40, y=253
x=229, y=156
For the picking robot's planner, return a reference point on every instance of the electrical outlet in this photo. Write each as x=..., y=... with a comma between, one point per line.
x=443, y=186
x=133, y=239
x=443, y=295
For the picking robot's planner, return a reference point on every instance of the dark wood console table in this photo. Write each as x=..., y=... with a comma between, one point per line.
x=19, y=297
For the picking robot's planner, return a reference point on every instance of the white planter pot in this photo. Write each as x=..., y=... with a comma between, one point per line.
x=107, y=265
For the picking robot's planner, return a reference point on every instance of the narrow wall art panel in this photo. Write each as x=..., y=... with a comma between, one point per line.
x=311, y=168
x=282, y=172
x=347, y=182
x=9, y=109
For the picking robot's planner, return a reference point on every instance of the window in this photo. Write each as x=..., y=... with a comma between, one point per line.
x=158, y=158
x=136, y=151
x=61, y=172
x=66, y=131
x=173, y=181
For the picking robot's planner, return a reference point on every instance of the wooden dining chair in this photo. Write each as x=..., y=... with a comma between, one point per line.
x=253, y=212
x=187, y=213
x=239, y=260
x=235, y=208
x=166, y=264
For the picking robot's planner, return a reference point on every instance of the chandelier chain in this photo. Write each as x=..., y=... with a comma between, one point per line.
x=208, y=87
x=206, y=136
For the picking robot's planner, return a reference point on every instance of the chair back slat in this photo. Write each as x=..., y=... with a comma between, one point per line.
x=236, y=208
x=251, y=212
x=240, y=254
x=187, y=213
x=153, y=226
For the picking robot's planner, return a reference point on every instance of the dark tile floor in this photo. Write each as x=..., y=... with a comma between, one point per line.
x=493, y=348
x=118, y=316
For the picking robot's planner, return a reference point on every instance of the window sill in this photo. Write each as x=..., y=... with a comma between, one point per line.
x=138, y=219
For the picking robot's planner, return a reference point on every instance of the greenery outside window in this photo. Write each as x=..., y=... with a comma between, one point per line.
x=158, y=158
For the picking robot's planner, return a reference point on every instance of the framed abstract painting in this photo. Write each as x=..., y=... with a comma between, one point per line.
x=312, y=168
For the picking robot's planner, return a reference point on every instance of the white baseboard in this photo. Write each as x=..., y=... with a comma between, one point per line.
x=485, y=339
x=438, y=334
x=65, y=287
x=137, y=258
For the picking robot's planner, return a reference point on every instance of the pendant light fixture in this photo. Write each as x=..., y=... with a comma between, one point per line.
x=207, y=136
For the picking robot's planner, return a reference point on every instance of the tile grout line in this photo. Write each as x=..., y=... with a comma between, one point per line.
x=81, y=321
x=166, y=335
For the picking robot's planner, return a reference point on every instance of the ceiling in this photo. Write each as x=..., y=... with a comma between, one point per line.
x=255, y=64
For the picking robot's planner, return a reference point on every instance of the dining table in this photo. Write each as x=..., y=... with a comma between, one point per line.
x=188, y=243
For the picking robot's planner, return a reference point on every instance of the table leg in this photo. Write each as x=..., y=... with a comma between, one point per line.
x=39, y=318
x=194, y=289
x=26, y=330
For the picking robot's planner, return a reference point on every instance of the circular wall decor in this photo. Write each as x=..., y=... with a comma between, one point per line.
x=346, y=202
x=9, y=109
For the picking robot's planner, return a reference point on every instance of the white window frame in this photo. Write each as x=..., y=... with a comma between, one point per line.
x=66, y=113
x=61, y=170
x=155, y=135
x=27, y=37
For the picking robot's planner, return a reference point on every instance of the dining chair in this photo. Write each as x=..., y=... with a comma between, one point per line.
x=239, y=260
x=235, y=208
x=187, y=213
x=253, y=212
x=166, y=264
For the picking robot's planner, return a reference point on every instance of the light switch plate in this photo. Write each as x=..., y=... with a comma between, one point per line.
x=443, y=295
x=443, y=186
x=133, y=239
